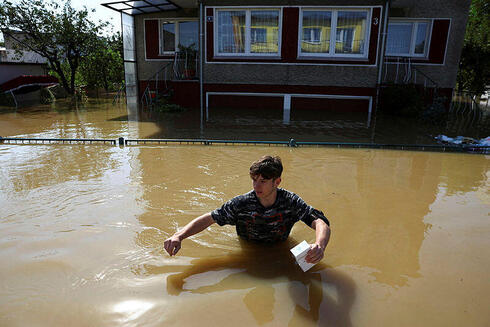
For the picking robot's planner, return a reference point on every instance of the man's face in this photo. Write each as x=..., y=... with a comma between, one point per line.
x=264, y=188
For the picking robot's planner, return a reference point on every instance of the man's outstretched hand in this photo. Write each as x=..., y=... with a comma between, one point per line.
x=315, y=254
x=172, y=245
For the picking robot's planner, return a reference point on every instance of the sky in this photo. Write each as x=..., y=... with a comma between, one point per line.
x=101, y=12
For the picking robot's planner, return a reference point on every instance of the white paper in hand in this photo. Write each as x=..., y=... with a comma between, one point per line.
x=299, y=252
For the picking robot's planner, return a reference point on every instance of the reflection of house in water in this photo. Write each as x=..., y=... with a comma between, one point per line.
x=331, y=56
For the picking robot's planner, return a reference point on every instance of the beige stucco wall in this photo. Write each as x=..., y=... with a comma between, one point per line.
x=324, y=75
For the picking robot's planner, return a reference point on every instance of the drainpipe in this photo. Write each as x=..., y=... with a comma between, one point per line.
x=381, y=64
x=383, y=42
x=201, y=55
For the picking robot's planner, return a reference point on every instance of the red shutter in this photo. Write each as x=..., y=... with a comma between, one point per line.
x=151, y=39
x=373, y=37
x=440, y=33
x=290, y=24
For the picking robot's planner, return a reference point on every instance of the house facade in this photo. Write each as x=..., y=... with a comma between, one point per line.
x=330, y=55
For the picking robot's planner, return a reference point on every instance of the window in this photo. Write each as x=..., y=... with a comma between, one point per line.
x=178, y=33
x=408, y=38
x=334, y=32
x=247, y=32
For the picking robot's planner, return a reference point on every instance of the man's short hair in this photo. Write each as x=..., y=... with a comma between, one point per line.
x=268, y=167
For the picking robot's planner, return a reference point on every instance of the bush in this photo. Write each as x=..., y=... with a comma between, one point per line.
x=436, y=111
x=47, y=97
x=6, y=100
x=162, y=104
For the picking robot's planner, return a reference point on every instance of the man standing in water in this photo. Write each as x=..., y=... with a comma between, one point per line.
x=265, y=214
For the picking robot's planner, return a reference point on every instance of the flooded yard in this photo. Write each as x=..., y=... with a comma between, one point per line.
x=82, y=226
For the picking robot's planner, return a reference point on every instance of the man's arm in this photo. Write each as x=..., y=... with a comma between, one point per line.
x=173, y=244
x=322, y=231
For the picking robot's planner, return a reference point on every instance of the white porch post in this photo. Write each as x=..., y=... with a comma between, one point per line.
x=286, y=117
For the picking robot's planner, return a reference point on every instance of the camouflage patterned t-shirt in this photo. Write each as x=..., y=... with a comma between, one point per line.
x=255, y=222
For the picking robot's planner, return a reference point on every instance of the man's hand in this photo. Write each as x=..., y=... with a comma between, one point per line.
x=172, y=245
x=315, y=254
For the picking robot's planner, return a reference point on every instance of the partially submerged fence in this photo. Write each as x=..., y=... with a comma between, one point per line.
x=466, y=148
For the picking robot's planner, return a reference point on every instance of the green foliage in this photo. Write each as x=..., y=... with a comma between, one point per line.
x=103, y=66
x=61, y=34
x=474, y=68
x=47, y=96
x=6, y=100
x=162, y=104
x=436, y=112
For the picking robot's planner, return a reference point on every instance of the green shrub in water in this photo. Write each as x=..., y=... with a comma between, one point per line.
x=162, y=104
x=6, y=100
x=436, y=111
x=47, y=97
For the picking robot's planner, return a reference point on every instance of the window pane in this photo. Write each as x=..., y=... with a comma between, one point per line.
x=188, y=34
x=351, y=32
x=420, y=40
x=264, y=31
x=231, y=31
x=399, y=38
x=168, y=37
x=316, y=31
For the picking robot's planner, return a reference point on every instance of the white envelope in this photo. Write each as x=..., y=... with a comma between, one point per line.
x=299, y=252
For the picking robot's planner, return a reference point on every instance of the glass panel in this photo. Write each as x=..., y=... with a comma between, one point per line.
x=264, y=31
x=420, y=40
x=149, y=9
x=157, y=2
x=128, y=37
x=399, y=38
x=168, y=36
x=231, y=31
x=119, y=6
x=188, y=34
x=316, y=31
x=137, y=3
x=351, y=32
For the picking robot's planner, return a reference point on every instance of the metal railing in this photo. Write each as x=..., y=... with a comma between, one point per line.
x=162, y=75
x=402, y=71
x=466, y=148
x=22, y=140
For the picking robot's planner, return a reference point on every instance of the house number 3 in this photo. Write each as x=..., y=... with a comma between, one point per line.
x=375, y=21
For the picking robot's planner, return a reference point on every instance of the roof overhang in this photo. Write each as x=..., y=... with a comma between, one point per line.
x=149, y=6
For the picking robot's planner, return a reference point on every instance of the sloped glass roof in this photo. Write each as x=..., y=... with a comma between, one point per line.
x=141, y=7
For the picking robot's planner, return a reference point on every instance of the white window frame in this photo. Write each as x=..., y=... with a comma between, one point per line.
x=177, y=22
x=248, y=38
x=428, y=37
x=333, y=32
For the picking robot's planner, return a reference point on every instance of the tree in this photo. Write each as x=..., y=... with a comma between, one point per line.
x=474, y=69
x=103, y=66
x=62, y=35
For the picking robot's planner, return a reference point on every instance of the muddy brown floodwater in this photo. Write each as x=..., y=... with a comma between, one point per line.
x=82, y=230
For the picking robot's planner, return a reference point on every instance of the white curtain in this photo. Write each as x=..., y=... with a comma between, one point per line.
x=231, y=31
x=399, y=38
